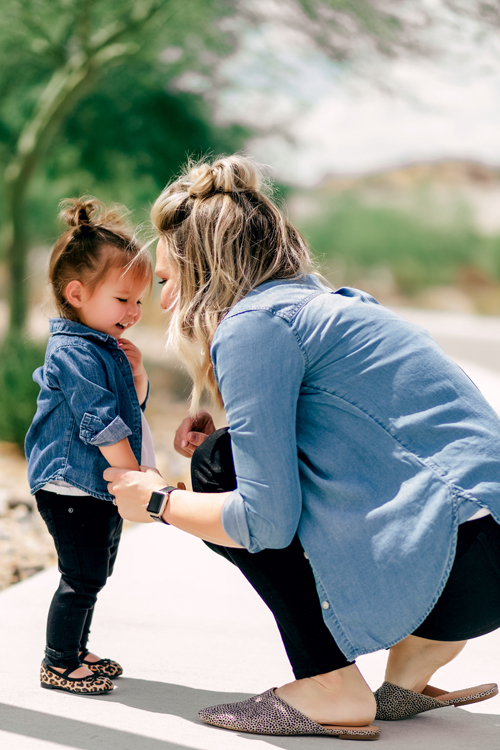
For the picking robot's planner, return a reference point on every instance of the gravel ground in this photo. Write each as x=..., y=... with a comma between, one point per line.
x=25, y=545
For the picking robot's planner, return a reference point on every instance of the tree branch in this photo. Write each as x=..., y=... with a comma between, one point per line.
x=114, y=32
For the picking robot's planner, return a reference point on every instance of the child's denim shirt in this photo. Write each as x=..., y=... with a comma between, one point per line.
x=87, y=399
x=352, y=428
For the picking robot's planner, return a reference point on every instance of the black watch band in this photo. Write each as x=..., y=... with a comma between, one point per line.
x=158, y=502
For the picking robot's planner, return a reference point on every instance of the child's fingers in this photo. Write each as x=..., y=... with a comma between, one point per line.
x=127, y=345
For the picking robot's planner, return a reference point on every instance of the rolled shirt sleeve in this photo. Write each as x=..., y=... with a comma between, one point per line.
x=81, y=377
x=95, y=432
x=259, y=367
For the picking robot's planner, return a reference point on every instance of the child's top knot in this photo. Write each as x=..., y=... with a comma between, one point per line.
x=80, y=212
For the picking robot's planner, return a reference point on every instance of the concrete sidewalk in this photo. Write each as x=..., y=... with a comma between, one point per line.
x=190, y=632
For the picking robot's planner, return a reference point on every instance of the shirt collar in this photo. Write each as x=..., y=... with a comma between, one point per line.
x=310, y=280
x=72, y=328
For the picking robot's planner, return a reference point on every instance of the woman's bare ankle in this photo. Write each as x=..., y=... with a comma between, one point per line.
x=340, y=697
x=413, y=661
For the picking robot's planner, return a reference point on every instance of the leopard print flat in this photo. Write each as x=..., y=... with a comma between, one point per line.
x=95, y=684
x=394, y=702
x=268, y=714
x=106, y=667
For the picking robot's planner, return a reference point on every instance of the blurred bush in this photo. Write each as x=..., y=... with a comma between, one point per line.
x=419, y=246
x=18, y=391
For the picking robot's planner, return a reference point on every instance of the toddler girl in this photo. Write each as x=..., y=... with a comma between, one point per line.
x=93, y=389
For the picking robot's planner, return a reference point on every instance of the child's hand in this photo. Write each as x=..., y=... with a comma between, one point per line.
x=133, y=355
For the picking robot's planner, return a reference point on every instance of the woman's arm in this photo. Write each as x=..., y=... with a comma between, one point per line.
x=197, y=513
x=260, y=368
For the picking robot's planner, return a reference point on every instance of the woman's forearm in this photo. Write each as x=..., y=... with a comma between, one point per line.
x=199, y=514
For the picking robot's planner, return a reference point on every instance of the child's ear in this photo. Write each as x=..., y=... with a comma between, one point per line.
x=74, y=293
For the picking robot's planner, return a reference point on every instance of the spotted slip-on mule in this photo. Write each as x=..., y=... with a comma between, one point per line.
x=394, y=702
x=107, y=667
x=268, y=714
x=95, y=684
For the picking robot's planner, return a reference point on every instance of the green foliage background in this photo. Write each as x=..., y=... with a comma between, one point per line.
x=120, y=137
x=18, y=391
x=421, y=245
x=122, y=129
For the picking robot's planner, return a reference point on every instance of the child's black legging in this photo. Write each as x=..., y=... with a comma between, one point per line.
x=468, y=607
x=86, y=532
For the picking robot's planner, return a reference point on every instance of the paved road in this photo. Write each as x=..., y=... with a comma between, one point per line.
x=190, y=632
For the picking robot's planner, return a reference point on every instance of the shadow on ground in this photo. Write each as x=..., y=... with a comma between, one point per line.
x=447, y=729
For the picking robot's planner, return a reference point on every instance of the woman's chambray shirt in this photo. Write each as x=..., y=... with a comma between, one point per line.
x=87, y=399
x=350, y=426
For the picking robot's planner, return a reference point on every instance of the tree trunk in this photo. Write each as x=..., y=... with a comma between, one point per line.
x=16, y=255
x=66, y=86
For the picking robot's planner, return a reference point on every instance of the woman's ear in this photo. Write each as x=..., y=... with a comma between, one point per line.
x=74, y=293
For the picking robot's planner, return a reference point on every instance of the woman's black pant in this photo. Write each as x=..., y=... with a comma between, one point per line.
x=469, y=605
x=86, y=533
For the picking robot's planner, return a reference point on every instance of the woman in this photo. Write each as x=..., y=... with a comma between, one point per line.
x=356, y=451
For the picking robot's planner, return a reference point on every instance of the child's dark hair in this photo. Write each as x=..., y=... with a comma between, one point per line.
x=98, y=239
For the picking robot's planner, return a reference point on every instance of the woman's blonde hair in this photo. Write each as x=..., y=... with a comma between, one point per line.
x=225, y=236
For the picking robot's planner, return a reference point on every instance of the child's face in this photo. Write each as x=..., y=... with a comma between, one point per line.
x=116, y=303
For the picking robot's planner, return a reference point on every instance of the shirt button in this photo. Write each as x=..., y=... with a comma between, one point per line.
x=325, y=605
x=306, y=555
x=70, y=510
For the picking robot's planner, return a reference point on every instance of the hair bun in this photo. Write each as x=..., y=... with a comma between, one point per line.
x=79, y=212
x=233, y=174
x=202, y=181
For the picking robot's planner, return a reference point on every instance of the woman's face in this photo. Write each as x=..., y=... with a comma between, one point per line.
x=168, y=275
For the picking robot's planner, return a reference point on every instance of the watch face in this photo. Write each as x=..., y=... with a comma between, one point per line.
x=155, y=502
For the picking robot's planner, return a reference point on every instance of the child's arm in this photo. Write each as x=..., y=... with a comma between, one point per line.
x=134, y=356
x=120, y=455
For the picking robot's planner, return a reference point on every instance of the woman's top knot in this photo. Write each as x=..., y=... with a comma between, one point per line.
x=235, y=174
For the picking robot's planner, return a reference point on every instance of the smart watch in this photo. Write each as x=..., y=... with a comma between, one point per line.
x=158, y=502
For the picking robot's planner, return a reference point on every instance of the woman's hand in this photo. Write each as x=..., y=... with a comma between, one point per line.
x=132, y=491
x=198, y=513
x=192, y=432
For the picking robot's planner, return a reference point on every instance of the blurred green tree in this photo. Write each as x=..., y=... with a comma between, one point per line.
x=83, y=93
x=51, y=55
